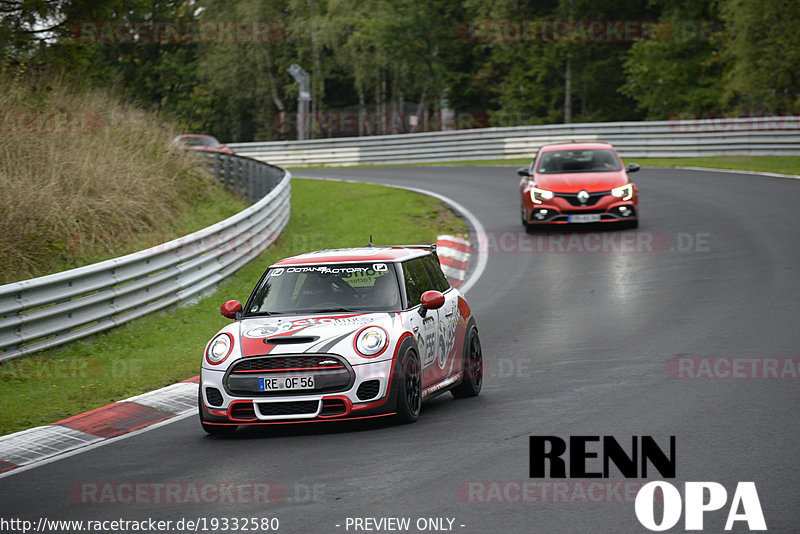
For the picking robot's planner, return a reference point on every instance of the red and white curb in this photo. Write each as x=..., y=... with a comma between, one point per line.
x=91, y=428
x=454, y=257
x=38, y=444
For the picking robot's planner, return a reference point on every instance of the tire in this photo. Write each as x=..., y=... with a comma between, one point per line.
x=409, y=388
x=472, y=382
x=529, y=228
x=214, y=430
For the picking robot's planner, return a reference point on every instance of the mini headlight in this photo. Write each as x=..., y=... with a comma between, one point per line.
x=544, y=193
x=219, y=348
x=371, y=341
x=625, y=192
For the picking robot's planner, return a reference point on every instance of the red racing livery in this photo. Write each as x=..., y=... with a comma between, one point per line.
x=341, y=334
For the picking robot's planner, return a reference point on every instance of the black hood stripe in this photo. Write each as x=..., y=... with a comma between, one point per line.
x=329, y=345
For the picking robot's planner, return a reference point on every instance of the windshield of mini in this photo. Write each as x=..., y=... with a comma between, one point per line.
x=326, y=288
x=563, y=161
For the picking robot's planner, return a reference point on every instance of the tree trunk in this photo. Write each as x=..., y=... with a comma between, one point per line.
x=273, y=88
x=362, y=108
x=384, y=122
x=568, y=91
x=422, y=112
x=568, y=72
x=377, y=109
x=317, y=77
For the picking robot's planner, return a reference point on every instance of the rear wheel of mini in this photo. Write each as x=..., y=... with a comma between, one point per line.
x=472, y=382
x=409, y=388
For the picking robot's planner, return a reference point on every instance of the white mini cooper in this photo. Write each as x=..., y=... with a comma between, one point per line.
x=341, y=334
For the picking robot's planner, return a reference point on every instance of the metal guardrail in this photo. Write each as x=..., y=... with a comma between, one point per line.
x=763, y=136
x=55, y=309
x=249, y=178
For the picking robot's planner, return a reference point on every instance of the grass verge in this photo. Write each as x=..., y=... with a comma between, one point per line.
x=164, y=348
x=87, y=177
x=776, y=164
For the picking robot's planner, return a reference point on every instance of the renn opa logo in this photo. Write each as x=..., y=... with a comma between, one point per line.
x=592, y=457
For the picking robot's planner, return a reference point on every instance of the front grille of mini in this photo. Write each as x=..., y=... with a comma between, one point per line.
x=288, y=408
x=284, y=363
x=335, y=376
x=368, y=390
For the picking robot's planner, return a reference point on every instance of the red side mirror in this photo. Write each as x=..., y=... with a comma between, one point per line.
x=230, y=309
x=432, y=300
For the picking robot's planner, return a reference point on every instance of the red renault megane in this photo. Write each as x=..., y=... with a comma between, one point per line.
x=581, y=182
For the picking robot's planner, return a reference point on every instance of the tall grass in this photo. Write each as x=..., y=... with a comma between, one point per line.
x=81, y=172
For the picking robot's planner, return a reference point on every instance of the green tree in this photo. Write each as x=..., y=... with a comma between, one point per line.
x=159, y=75
x=546, y=76
x=247, y=84
x=762, y=44
x=679, y=70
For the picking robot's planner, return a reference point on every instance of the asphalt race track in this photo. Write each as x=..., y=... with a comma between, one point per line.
x=584, y=334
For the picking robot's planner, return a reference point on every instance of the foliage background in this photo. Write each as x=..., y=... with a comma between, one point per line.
x=417, y=57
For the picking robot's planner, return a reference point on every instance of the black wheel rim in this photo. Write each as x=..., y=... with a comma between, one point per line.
x=413, y=386
x=475, y=361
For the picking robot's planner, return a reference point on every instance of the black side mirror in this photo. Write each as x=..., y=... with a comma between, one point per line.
x=633, y=167
x=523, y=171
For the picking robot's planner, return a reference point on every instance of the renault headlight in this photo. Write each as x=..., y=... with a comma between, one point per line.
x=625, y=192
x=541, y=194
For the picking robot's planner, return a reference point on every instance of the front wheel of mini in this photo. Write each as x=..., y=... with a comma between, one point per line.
x=409, y=388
